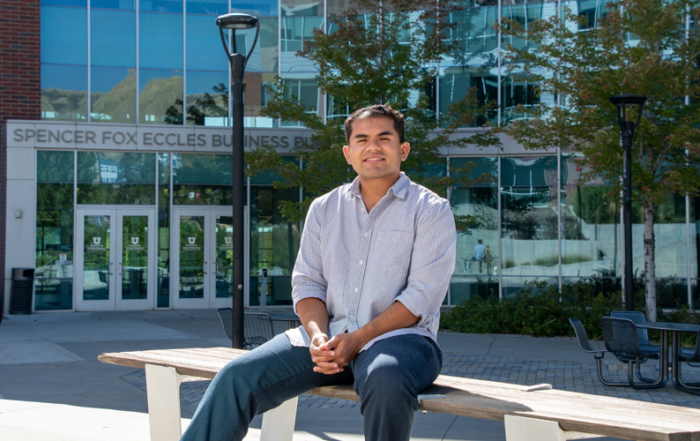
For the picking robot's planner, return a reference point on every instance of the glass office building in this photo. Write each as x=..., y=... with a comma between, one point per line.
x=126, y=177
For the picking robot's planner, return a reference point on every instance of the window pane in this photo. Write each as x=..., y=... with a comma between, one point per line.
x=529, y=220
x=54, y=166
x=116, y=178
x=54, y=241
x=265, y=54
x=265, y=8
x=694, y=237
x=255, y=97
x=105, y=50
x=208, y=7
x=113, y=4
x=77, y=3
x=456, y=82
x=160, y=96
x=207, y=98
x=591, y=242
x=204, y=49
x=113, y=94
x=161, y=5
x=511, y=286
x=202, y=179
x=274, y=242
x=160, y=40
x=475, y=33
x=301, y=7
x=304, y=90
x=63, y=92
x=63, y=35
x=295, y=31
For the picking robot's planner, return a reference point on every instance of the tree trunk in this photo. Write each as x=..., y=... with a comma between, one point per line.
x=649, y=268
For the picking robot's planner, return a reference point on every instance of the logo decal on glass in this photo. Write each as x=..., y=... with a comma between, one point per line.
x=190, y=240
x=96, y=240
x=134, y=240
x=227, y=240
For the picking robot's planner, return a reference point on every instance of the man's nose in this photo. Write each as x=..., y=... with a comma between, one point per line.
x=373, y=144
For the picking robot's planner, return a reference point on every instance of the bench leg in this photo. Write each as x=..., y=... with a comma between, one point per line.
x=520, y=428
x=163, y=393
x=278, y=423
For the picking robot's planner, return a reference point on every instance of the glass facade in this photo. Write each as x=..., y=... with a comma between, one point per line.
x=532, y=218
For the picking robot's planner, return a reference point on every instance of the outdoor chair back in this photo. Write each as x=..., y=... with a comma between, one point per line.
x=691, y=354
x=581, y=336
x=621, y=338
x=257, y=327
x=638, y=317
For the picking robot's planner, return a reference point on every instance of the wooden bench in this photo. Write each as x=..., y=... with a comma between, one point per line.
x=530, y=413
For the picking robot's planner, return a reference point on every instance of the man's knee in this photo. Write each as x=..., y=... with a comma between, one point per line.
x=386, y=381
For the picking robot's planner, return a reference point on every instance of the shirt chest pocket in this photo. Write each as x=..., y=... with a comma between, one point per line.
x=392, y=251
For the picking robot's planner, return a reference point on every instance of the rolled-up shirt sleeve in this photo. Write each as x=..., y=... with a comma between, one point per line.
x=432, y=263
x=308, y=280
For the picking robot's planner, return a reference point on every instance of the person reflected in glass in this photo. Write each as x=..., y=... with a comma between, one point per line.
x=374, y=264
x=488, y=260
x=479, y=251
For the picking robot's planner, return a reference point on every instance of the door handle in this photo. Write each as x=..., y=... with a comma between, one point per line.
x=216, y=266
x=110, y=269
x=121, y=268
x=204, y=268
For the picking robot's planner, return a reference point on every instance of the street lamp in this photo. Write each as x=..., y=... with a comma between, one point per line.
x=238, y=62
x=625, y=105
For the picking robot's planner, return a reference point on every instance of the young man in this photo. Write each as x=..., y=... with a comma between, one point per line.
x=373, y=268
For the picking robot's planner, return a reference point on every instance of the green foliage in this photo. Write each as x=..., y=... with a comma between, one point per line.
x=638, y=47
x=377, y=57
x=538, y=309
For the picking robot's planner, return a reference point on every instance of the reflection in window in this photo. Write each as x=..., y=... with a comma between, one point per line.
x=456, y=82
x=64, y=62
x=202, y=179
x=53, y=284
x=475, y=32
x=160, y=96
x=207, y=98
x=255, y=97
x=517, y=93
x=265, y=53
x=525, y=14
x=529, y=217
x=301, y=7
x=303, y=91
x=116, y=178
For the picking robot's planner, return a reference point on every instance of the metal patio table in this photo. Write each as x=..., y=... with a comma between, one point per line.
x=675, y=329
x=292, y=319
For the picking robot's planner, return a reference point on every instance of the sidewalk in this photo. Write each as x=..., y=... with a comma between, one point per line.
x=53, y=388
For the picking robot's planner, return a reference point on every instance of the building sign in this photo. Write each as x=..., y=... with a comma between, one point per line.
x=143, y=137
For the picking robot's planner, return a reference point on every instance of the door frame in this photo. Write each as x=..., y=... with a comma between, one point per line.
x=210, y=213
x=114, y=301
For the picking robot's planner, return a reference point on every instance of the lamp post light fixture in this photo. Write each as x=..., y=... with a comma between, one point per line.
x=238, y=62
x=625, y=105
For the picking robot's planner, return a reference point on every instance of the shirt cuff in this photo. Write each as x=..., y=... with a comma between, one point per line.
x=415, y=303
x=302, y=294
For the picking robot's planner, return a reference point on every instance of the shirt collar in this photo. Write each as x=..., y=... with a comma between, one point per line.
x=400, y=187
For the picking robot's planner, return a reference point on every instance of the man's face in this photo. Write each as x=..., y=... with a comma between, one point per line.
x=375, y=151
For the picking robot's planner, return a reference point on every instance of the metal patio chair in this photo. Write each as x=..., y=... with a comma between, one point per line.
x=690, y=356
x=638, y=317
x=257, y=327
x=585, y=345
x=622, y=339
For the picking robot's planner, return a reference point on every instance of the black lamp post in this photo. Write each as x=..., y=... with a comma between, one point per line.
x=238, y=62
x=625, y=104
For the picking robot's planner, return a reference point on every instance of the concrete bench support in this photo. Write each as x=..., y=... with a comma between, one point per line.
x=520, y=428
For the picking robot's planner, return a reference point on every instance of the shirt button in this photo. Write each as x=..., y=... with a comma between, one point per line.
x=360, y=262
x=355, y=289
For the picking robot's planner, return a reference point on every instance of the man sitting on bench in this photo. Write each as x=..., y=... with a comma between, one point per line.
x=374, y=265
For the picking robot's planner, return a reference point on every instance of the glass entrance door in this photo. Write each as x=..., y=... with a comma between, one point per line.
x=115, y=260
x=203, y=255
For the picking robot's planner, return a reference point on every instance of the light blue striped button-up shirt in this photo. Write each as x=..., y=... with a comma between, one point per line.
x=360, y=263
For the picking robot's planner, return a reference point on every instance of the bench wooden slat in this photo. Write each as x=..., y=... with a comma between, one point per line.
x=586, y=413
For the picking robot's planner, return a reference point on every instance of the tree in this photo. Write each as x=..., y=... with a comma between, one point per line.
x=385, y=55
x=639, y=47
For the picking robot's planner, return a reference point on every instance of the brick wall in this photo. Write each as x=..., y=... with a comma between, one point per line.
x=20, y=85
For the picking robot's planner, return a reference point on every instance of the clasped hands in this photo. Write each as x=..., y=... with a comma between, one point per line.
x=332, y=355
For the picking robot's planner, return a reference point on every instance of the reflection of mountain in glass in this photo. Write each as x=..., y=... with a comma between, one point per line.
x=158, y=97
x=63, y=105
x=119, y=104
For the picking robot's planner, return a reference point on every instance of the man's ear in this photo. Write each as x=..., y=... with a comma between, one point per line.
x=405, y=149
x=346, y=152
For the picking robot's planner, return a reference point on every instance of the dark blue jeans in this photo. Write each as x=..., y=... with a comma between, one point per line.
x=387, y=377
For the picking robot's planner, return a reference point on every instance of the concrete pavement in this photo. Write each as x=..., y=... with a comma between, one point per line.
x=53, y=388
